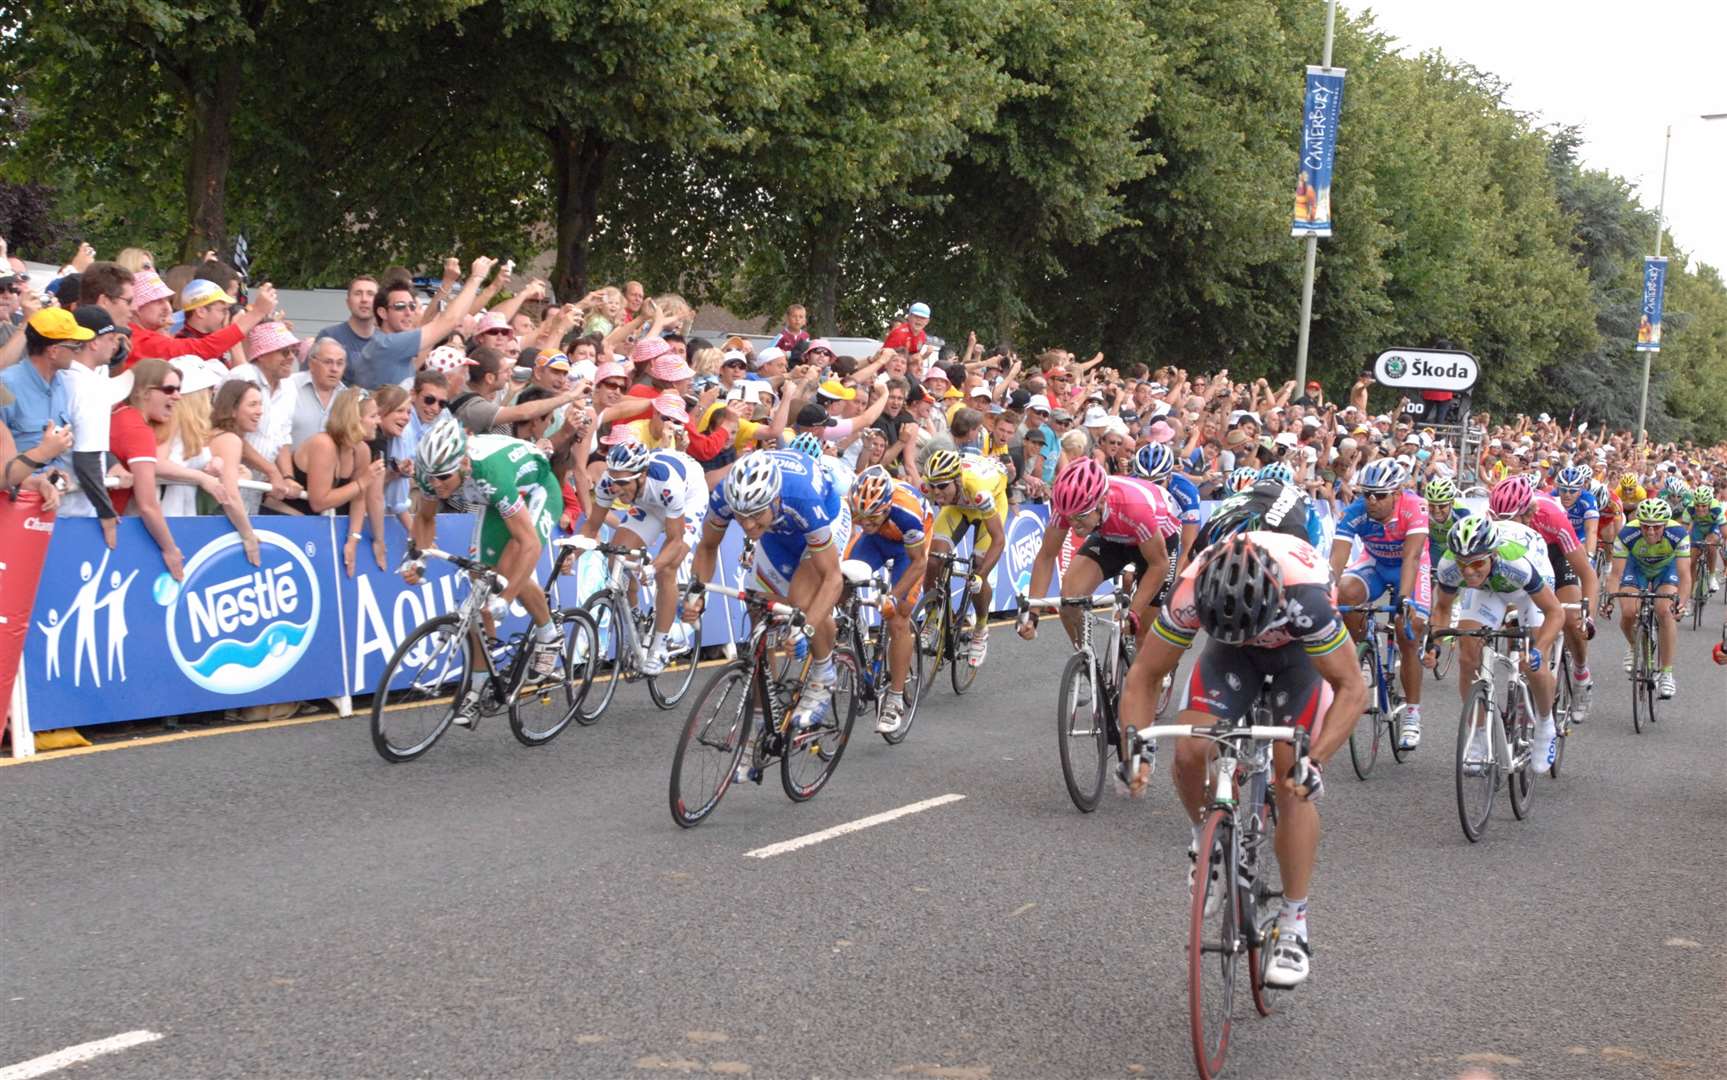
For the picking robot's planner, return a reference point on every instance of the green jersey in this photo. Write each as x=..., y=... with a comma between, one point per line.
x=507, y=477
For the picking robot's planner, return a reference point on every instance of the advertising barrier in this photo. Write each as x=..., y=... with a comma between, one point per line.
x=112, y=637
x=24, y=533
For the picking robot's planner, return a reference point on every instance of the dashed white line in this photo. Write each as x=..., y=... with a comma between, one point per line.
x=75, y=1055
x=841, y=830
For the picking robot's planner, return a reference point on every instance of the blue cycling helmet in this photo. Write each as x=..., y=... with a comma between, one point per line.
x=1279, y=472
x=628, y=457
x=807, y=444
x=1154, y=462
x=1386, y=474
x=1574, y=478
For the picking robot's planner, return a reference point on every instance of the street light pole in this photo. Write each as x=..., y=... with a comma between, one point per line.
x=1312, y=242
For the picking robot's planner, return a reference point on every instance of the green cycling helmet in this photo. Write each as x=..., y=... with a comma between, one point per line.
x=1473, y=537
x=1654, y=512
x=1441, y=490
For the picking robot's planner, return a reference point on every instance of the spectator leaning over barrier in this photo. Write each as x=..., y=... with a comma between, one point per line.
x=355, y=332
x=149, y=400
x=395, y=448
x=184, y=439
x=338, y=471
x=20, y=471
x=389, y=355
x=316, y=391
x=237, y=412
x=275, y=353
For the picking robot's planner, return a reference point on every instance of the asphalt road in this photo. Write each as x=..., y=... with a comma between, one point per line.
x=280, y=902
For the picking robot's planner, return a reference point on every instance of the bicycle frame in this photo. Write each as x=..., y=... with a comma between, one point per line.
x=1516, y=686
x=1104, y=611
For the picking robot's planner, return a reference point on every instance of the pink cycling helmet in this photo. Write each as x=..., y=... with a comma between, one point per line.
x=1511, y=496
x=1079, y=488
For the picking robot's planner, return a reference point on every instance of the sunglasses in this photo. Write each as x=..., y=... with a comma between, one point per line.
x=733, y=363
x=1476, y=565
x=167, y=390
x=616, y=384
x=1380, y=494
x=433, y=399
x=404, y=305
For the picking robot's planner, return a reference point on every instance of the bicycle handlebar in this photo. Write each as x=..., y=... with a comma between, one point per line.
x=1516, y=633
x=414, y=554
x=758, y=599
x=1090, y=603
x=588, y=543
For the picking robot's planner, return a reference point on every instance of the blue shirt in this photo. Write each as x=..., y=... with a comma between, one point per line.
x=1051, y=453
x=37, y=403
x=809, y=503
x=353, y=344
x=386, y=359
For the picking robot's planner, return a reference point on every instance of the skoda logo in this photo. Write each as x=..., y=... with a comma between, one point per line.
x=234, y=628
x=1395, y=366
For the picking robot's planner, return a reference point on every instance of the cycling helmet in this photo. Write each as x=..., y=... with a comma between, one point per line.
x=1628, y=481
x=943, y=466
x=1386, y=474
x=807, y=443
x=873, y=492
x=1239, y=592
x=1654, y=512
x=1279, y=472
x=1154, y=462
x=1573, y=478
x=628, y=457
x=1441, y=490
x=1588, y=473
x=753, y=484
x=1511, y=496
x=1243, y=478
x=1267, y=505
x=1599, y=490
x=1079, y=488
x=1674, y=490
x=1473, y=537
x=440, y=452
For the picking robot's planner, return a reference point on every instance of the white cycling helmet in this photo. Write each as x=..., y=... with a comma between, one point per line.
x=440, y=452
x=753, y=484
x=1386, y=474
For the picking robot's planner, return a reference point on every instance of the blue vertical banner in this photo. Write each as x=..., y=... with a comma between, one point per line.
x=1319, y=115
x=1654, y=293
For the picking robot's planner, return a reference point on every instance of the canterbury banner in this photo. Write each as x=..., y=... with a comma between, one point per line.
x=1654, y=292
x=1318, y=148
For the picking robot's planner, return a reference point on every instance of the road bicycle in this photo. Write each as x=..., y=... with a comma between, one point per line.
x=623, y=613
x=1700, y=581
x=1565, y=694
x=721, y=729
x=1380, y=664
x=940, y=621
x=1645, y=651
x=864, y=589
x=1233, y=915
x=1088, y=703
x=432, y=669
x=1444, y=653
x=1496, y=732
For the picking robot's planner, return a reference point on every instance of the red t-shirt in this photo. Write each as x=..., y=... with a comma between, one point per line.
x=129, y=439
x=904, y=337
x=149, y=343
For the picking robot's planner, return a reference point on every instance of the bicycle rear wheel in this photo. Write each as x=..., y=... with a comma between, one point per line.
x=1392, y=674
x=1520, y=727
x=416, y=697
x=1365, y=736
x=1442, y=664
x=712, y=744
x=540, y=713
x=913, y=684
x=812, y=756
x=612, y=634
x=1563, y=701
x=1477, y=774
x=669, y=686
x=929, y=621
x=1699, y=594
x=1080, y=735
x=1214, y=946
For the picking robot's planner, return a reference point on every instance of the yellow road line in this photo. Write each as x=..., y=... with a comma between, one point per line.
x=267, y=725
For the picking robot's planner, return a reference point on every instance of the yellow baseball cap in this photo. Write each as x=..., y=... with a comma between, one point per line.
x=58, y=324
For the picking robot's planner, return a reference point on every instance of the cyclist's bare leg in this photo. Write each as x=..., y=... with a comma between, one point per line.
x=1191, y=773
x=1628, y=619
x=1667, y=627
x=1409, y=655
x=1082, y=579
x=1575, y=639
x=806, y=586
x=1468, y=658
x=1352, y=592
x=900, y=642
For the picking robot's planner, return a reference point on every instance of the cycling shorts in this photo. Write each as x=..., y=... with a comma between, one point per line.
x=650, y=527
x=878, y=551
x=1381, y=578
x=1637, y=576
x=1563, y=573
x=778, y=555
x=1114, y=557
x=1488, y=608
x=1227, y=679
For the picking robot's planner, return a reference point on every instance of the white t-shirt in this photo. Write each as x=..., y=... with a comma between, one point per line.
x=90, y=406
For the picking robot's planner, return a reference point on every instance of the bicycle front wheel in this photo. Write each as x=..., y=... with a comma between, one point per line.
x=611, y=630
x=540, y=713
x=1699, y=594
x=712, y=744
x=1079, y=731
x=812, y=755
x=416, y=698
x=930, y=623
x=669, y=686
x=1565, y=699
x=1365, y=736
x=1642, y=683
x=1477, y=770
x=913, y=685
x=1214, y=945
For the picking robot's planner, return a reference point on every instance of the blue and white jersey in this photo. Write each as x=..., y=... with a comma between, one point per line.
x=1519, y=573
x=1581, y=513
x=672, y=487
x=1186, y=498
x=809, y=503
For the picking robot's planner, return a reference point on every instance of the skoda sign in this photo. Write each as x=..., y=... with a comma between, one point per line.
x=1426, y=369
x=234, y=628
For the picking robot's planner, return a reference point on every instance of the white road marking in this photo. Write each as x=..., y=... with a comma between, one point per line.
x=75, y=1055
x=841, y=830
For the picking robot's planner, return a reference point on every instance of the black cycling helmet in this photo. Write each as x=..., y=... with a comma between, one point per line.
x=1239, y=591
x=1267, y=505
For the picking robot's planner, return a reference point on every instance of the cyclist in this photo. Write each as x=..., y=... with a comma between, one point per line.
x=1571, y=487
x=1707, y=516
x=1515, y=499
x=1391, y=523
x=664, y=495
x=892, y=525
x=1265, y=598
x=1612, y=512
x=1630, y=490
x=1156, y=462
x=1652, y=552
x=509, y=487
x=784, y=502
x=1497, y=574
x=1442, y=514
x=839, y=473
x=1241, y=479
x=1268, y=504
x=971, y=493
x=1125, y=523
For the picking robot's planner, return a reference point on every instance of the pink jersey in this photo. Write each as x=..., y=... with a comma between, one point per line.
x=1133, y=512
x=1382, y=541
x=1550, y=520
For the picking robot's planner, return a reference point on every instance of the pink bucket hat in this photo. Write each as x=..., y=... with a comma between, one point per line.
x=447, y=358
x=489, y=322
x=147, y=288
x=268, y=337
x=671, y=406
x=670, y=367
x=648, y=350
x=610, y=370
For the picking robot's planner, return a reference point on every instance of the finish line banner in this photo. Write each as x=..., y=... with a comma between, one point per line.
x=1654, y=295
x=1319, y=116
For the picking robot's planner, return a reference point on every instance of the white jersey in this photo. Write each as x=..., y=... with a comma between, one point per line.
x=672, y=486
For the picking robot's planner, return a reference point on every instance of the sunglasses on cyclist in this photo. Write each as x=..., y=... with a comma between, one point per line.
x=1476, y=565
x=1379, y=494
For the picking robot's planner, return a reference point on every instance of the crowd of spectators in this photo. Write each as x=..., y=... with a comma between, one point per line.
x=127, y=389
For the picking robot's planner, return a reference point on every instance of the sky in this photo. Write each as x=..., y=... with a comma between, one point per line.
x=1621, y=71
